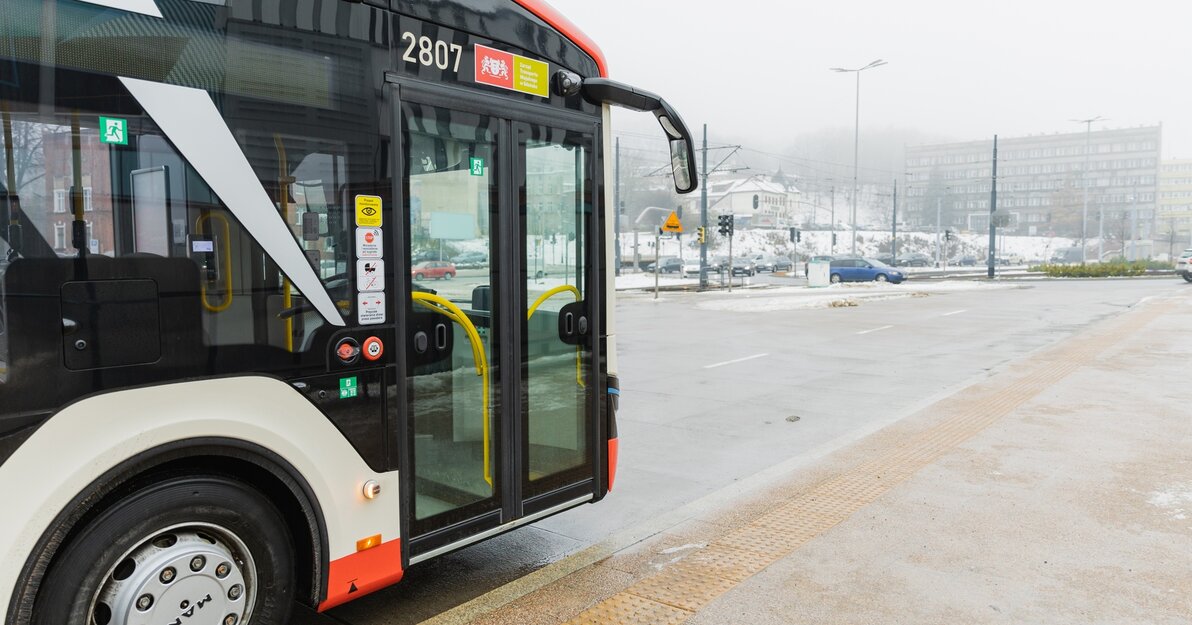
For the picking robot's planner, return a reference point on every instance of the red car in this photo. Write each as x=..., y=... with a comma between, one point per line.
x=438, y=269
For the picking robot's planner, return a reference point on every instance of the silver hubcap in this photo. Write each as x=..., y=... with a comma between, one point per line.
x=196, y=574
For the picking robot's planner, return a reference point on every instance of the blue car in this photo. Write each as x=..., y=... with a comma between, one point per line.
x=863, y=270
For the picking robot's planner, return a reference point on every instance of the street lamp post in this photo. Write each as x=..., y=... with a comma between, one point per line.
x=857, y=139
x=1084, y=174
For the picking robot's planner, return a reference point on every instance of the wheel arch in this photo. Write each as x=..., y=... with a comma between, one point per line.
x=256, y=419
x=265, y=471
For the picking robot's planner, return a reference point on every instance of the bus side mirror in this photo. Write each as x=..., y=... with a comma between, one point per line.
x=682, y=146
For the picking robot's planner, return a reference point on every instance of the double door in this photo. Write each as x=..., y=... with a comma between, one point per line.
x=499, y=410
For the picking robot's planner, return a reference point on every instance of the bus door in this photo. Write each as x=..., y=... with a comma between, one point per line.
x=498, y=420
x=554, y=172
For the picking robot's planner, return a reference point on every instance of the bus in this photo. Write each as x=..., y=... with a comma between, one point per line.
x=230, y=384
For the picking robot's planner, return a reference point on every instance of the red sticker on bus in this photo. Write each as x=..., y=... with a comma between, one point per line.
x=494, y=67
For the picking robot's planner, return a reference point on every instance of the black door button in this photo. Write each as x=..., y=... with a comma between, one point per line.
x=421, y=342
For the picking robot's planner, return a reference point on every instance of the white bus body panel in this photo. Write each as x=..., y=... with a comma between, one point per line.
x=92, y=436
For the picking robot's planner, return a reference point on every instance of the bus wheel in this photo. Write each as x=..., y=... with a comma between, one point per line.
x=203, y=548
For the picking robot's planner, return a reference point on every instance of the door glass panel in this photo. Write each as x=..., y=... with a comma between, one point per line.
x=557, y=203
x=450, y=190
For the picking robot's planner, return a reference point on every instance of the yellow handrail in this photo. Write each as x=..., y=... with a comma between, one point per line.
x=579, y=376
x=549, y=294
x=445, y=307
x=227, y=264
x=283, y=193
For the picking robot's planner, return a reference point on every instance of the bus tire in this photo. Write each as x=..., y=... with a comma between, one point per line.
x=176, y=549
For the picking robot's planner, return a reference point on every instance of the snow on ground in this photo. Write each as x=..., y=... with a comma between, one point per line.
x=836, y=295
x=750, y=243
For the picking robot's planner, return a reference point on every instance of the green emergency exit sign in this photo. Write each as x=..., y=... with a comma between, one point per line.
x=348, y=388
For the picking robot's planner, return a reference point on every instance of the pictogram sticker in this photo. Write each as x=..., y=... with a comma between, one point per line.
x=370, y=309
x=370, y=275
x=369, y=243
x=368, y=211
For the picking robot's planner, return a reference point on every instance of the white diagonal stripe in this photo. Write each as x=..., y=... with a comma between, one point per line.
x=144, y=7
x=190, y=120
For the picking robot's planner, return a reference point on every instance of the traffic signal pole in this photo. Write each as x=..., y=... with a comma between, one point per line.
x=703, y=218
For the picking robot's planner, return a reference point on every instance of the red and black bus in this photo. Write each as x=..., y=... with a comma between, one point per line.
x=224, y=388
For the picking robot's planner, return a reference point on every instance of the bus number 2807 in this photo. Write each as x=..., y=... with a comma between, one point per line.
x=432, y=52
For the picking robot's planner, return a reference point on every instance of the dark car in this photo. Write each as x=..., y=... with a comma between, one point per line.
x=773, y=263
x=885, y=258
x=669, y=264
x=914, y=259
x=863, y=270
x=965, y=261
x=471, y=260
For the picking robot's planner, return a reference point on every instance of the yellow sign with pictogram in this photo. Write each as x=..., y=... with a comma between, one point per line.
x=673, y=224
x=368, y=211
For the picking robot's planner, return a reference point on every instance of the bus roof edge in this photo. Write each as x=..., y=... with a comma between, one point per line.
x=551, y=16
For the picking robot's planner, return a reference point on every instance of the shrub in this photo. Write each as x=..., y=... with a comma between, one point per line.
x=1097, y=270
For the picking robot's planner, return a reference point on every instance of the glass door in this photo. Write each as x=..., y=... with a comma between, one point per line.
x=499, y=411
x=556, y=204
x=453, y=414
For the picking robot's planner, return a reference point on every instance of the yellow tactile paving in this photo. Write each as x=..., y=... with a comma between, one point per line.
x=677, y=592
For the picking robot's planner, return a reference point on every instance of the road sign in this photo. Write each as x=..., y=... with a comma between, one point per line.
x=672, y=224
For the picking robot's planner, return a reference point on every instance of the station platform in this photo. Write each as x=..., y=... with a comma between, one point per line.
x=1058, y=489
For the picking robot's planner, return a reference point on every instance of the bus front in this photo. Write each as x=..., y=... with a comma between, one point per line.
x=291, y=300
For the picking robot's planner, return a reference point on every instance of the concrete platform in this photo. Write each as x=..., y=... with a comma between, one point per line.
x=1057, y=491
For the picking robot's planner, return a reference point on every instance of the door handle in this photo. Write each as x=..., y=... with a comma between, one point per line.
x=441, y=336
x=569, y=324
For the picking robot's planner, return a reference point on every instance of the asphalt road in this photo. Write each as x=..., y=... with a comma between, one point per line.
x=714, y=392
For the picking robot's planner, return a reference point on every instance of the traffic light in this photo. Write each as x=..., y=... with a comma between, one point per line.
x=798, y=235
x=755, y=201
x=833, y=238
x=794, y=234
x=948, y=235
x=726, y=224
x=703, y=235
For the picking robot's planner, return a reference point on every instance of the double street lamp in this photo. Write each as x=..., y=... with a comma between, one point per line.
x=1084, y=174
x=857, y=138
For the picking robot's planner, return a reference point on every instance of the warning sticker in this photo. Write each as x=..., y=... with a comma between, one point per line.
x=370, y=309
x=368, y=243
x=370, y=275
x=368, y=211
x=511, y=71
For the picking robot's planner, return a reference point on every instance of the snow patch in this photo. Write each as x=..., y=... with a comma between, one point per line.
x=1175, y=499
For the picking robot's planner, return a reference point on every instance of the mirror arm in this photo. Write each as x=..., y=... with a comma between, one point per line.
x=604, y=91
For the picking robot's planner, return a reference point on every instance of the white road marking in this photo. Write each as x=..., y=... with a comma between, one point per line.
x=733, y=362
x=954, y=312
x=875, y=330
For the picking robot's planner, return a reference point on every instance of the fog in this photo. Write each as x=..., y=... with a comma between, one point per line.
x=757, y=72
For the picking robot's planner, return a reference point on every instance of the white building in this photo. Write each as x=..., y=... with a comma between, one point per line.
x=775, y=201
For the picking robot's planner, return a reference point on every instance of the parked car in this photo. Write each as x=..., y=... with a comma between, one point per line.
x=822, y=258
x=863, y=270
x=1183, y=265
x=772, y=263
x=666, y=264
x=437, y=269
x=471, y=260
x=964, y=261
x=915, y=259
x=885, y=258
x=691, y=267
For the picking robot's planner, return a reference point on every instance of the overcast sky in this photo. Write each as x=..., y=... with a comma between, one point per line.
x=757, y=71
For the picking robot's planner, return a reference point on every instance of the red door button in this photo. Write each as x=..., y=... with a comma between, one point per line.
x=373, y=348
x=347, y=351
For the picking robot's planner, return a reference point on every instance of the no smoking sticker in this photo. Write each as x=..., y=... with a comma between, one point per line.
x=368, y=243
x=370, y=308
